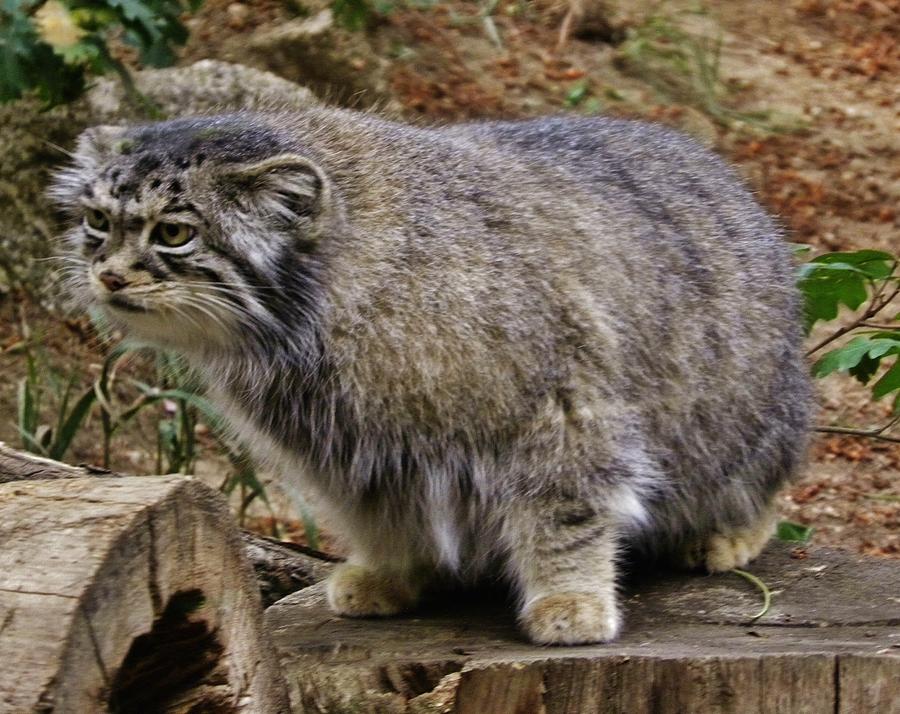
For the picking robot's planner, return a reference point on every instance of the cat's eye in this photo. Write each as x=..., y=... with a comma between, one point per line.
x=173, y=235
x=97, y=219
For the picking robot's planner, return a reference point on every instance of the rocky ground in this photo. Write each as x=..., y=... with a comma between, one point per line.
x=804, y=96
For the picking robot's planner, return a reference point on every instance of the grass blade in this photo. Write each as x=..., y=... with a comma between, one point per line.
x=764, y=589
x=69, y=428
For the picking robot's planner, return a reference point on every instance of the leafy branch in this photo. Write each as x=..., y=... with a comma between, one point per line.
x=866, y=282
x=51, y=47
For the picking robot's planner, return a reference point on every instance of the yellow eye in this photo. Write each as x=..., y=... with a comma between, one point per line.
x=173, y=235
x=97, y=219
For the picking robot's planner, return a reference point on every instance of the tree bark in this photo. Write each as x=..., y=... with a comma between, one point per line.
x=281, y=568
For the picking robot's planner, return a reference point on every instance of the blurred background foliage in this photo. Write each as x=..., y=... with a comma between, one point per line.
x=51, y=48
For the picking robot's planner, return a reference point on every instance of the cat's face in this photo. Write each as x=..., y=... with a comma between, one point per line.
x=190, y=233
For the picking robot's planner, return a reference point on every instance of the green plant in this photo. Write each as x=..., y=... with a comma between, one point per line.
x=177, y=399
x=763, y=588
x=866, y=282
x=49, y=440
x=791, y=532
x=52, y=47
x=177, y=406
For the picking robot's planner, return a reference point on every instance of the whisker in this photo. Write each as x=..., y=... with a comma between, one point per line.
x=223, y=284
x=62, y=259
x=205, y=303
x=202, y=307
x=60, y=149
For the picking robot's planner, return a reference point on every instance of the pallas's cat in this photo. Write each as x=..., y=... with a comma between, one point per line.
x=488, y=350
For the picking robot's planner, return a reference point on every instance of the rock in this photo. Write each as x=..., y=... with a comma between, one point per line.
x=238, y=14
x=34, y=142
x=317, y=52
x=592, y=20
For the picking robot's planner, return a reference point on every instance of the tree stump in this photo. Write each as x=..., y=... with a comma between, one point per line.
x=133, y=594
x=829, y=644
x=126, y=594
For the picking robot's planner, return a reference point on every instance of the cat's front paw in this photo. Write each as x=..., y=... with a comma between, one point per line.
x=570, y=618
x=356, y=591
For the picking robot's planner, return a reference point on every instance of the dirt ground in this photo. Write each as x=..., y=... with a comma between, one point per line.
x=808, y=108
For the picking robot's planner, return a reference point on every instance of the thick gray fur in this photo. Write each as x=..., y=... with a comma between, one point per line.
x=490, y=348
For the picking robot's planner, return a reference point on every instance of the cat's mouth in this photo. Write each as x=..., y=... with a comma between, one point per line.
x=123, y=303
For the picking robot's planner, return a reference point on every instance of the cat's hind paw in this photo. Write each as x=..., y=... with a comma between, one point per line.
x=356, y=591
x=570, y=618
x=719, y=552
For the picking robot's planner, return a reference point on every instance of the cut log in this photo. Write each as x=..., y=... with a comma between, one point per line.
x=281, y=568
x=127, y=594
x=830, y=643
x=20, y=466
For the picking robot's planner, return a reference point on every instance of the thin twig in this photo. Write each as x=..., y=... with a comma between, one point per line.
x=875, y=306
x=876, y=326
x=882, y=497
x=894, y=420
x=869, y=433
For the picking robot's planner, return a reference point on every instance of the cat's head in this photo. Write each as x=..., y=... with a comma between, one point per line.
x=194, y=233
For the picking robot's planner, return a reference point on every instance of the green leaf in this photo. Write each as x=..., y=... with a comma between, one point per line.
x=139, y=13
x=29, y=401
x=577, y=94
x=82, y=53
x=889, y=382
x=835, y=279
x=310, y=529
x=793, y=532
x=865, y=369
x=195, y=400
x=72, y=424
x=852, y=354
x=26, y=408
x=826, y=289
x=874, y=264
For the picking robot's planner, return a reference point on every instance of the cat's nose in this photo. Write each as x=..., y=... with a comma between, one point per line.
x=112, y=281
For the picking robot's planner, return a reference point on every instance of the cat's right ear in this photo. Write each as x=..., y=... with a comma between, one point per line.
x=98, y=143
x=288, y=188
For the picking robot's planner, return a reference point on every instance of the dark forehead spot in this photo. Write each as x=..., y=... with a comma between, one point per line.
x=146, y=163
x=230, y=137
x=175, y=186
x=124, y=189
x=155, y=183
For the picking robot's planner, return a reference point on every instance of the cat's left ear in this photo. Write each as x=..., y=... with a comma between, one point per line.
x=286, y=187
